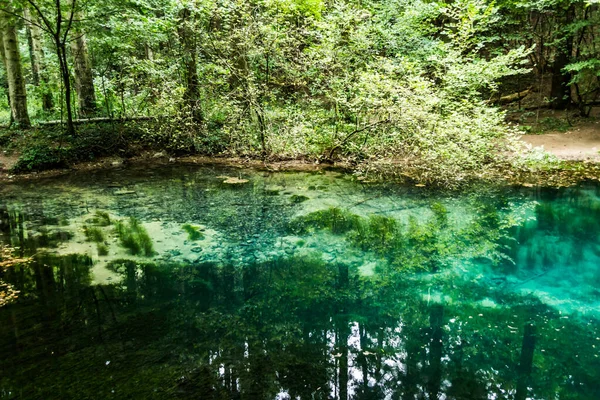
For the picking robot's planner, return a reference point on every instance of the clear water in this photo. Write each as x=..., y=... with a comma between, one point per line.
x=296, y=285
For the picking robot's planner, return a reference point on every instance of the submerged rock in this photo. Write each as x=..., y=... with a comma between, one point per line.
x=235, y=181
x=296, y=199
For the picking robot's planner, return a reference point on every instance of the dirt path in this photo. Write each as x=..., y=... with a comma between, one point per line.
x=579, y=144
x=7, y=162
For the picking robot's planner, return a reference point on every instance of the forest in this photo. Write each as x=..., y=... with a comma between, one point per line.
x=300, y=199
x=424, y=84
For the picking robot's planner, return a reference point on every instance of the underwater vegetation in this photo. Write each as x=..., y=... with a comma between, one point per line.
x=103, y=218
x=193, y=232
x=414, y=246
x=102, y=249
x=46, y=238
x=133, y=236
x=334, y=219
x=100, y=218
x=93, y=234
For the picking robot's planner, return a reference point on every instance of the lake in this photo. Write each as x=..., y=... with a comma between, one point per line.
x=213, y=282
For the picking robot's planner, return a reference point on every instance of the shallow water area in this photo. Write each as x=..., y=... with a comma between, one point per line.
x=216, y=282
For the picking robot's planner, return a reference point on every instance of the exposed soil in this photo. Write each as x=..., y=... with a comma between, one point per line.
x=580, y=143
x=7, y=161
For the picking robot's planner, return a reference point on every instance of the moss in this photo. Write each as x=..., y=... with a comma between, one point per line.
x=133, y=236
x=93, y=234
x=193, y=232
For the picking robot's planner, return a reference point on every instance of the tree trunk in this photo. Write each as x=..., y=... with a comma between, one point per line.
x=190, y=67
x=84, y=78
x=14, y=73
x=38, y=65
x=561, y=88
x=5, y=80
x=61, y=53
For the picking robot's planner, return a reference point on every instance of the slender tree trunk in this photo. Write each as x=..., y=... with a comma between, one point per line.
x=5, y=80
x=38, y=65
x=61, y=52
x=84, y=78
x=187, y=37
x=14, y=73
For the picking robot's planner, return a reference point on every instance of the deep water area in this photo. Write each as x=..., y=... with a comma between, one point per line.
x=212, y=282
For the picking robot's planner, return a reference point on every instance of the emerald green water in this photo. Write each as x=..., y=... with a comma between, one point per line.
x=169, y=283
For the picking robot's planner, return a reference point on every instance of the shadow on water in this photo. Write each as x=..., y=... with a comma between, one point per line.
x=282, y=305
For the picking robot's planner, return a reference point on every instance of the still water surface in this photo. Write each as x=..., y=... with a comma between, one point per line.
x=169, y=283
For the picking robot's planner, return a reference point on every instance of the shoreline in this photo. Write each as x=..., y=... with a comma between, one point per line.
x=565, y=173
x=110, y=163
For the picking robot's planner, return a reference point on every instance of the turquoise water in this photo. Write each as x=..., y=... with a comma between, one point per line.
x=169, y=283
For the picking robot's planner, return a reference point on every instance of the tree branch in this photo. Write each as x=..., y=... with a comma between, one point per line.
x=351, y=134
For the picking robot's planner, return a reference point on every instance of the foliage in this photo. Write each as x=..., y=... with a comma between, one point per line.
x=368, y=82
x=42, y=157
x=8, y=293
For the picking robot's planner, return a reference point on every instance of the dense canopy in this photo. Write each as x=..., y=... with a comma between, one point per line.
x=419, y=81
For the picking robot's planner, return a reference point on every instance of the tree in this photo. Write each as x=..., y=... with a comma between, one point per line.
x=84, y=78
x=14, y=70
x=560, y=91
x=57, y=20
x=38, y=62
x=187, y=37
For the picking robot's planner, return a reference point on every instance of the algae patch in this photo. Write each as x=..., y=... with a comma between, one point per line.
x=193, y=232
